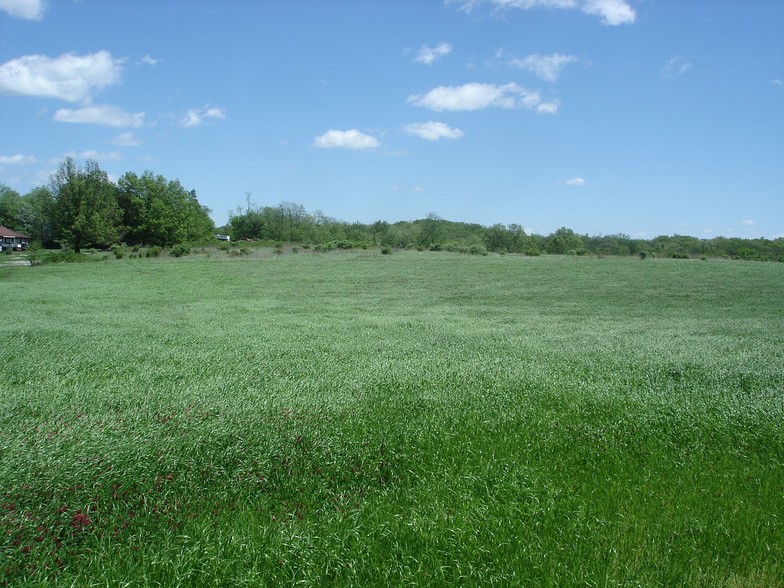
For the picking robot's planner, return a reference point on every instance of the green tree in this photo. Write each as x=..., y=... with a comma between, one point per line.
x=10, y=205
x=86, y=205
x=160, y=212
x=496, y=238
x=430, y=230
x=40, y=215
x=517, y=239
x=564, y=241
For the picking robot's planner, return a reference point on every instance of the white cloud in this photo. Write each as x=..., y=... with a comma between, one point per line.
x=69, y=77
x=476, y=96
x=677, y=66
x=108, y=116
x=547, y=67
x=748, y=222
x=150, y=60
x=95, y=155
x=428, y=55
x=433, y=131
x=352, y=139
x=27, y=9
x=548, y=107
x=17, y=159
x=612, y=12
x=128, y=139
x=575, y=182
x=196, y=117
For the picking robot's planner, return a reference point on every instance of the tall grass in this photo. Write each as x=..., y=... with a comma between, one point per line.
x=415, y=419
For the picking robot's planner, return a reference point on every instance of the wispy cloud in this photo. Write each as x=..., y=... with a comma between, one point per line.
x=196, y=117
x=128, y=139
x=611, y=12
x=69, y=77
x=546, y=67
x=428, y=55
x=26, y=9
x=575, y=182
x=17, y=159
x=677, y=66
x=475, y=96
x=748, y=222
x=107, y=116
x=433, y=131
x=95, y=155
x=351, y=139
x=147, y=59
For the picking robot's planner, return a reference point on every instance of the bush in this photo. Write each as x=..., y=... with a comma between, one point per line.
x=477, y=250
x=386, y=251
x=118, y=249
x=180, y=249
x=152, y=252
x=68, y=256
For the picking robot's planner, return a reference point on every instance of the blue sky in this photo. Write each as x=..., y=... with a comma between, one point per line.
x=644, y=117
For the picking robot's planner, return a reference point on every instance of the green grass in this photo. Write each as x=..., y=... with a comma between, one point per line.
x=418, y=419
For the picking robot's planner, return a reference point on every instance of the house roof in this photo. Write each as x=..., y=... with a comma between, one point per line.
x=6, y=232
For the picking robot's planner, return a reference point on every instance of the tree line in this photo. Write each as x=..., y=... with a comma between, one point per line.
x=290, y=222
x=82, y=208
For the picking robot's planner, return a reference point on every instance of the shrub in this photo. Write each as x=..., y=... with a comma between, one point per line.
x=180, y=249
x=153, y=252
x=386, y=251
x=643, y=254
x=532, y=252
x=68, y=256
x=118, y=249
x=477, y=250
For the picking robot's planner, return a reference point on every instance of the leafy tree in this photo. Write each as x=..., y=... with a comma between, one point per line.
x=430, y=230
x=564, y=241
x=496, y=238
x=378, y=230
x=40, y=215
x=160, y=212
x=86, y=205
x=517, y=240
x=10, y=204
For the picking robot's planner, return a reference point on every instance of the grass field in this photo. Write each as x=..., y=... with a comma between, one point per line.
x=422, y=419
